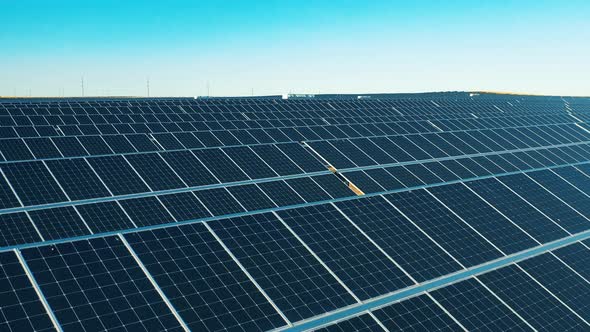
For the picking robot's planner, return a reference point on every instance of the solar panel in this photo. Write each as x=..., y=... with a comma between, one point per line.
x=20, y=307
x=100, y=287
x=346, y=251
x=286, y=270
x=201, y=279
x=419, y=313
x=401, y=212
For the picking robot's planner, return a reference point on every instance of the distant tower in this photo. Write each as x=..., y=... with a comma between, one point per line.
x=82, y=85
x=148, y=86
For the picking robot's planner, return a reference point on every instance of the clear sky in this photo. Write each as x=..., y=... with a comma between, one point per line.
x=276, y=47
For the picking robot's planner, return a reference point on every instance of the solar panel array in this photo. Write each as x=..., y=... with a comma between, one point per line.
x=433, y=212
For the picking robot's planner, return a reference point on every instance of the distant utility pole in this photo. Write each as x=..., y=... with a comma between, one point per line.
x=208, y=89
x=252, y=92
x=82, y=85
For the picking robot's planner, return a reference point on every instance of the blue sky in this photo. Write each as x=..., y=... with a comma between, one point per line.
x=275, y=47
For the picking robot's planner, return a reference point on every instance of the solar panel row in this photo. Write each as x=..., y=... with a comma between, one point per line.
x=188, y=214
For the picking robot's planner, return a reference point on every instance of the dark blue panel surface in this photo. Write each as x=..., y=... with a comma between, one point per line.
x=100, y=287
x=399, y=238
x=146, y=211
x=155, y=172
x=545, y=202
x=345, y=250
x=362, y=323
x=7, y=197
x=482, y=217
x=189, y=168
x=446, y=229
x=58, y=223
x=77, y=178
x=200, y=278
x=249, y=162
x=20, y=307
x=104, y=217
x=520, y=212
x=33, y=183
x=477, y=309
x=184, y=206
x=219, y=201
x=416, y=314
x=536, y=305
x=118, y=175
x=220, y=165
x=297, y=283
x=567, y=285
x=16, y=228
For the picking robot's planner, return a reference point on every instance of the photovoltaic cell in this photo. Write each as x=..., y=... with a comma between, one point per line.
x=184, y=206
x=519, y=211
x=445, y=228
x=99, y=287
x=200, y=278
x=189, y=168
x=478, y=309
x=118, y=175
x=146, y=211
x=58, y=223
x=280, y=193
x=33, y=183
x=302, y=157
x=16, y=228
x=7, y=197
x=77, y=179
x=481, y=216
x=533, y=303
x=331, y=184
x=416, y=314
x=562, y=189
x=220, y=165
x=345, y=250
x=251, y=197
x=308, y=189
x=219, y=201
x=399, y=238
x=564, y=283
x=576, y=256
x=249, y=162
x=545, y=202
x=296, y=282
x=104, y=217
x=154, y=171
x=20, y=307
x=278, y=161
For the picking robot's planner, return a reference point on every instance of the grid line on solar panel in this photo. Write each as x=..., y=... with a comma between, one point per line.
x=33, y=183
x=563, y=282
x=545, y=202
x=292, y=277
x=458, y=239
x=200, y=278
x=518, y=210
x=353, y=258
x=17, y=228
x=533, y=302
x=477, y=308
x=562, y=189
x=397, y=236
x=418, y=313
x=96, y=284
x=483, y=218
x=21, y=309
